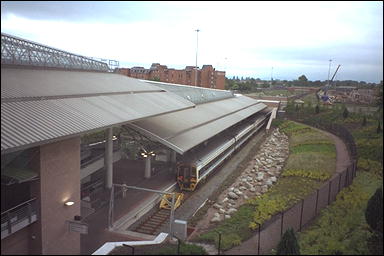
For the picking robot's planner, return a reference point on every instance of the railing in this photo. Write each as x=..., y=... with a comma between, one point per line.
x=18, y=217
x=18, y=51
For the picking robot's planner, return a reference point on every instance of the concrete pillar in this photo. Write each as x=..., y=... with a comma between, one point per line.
x=59, y=183
x=147, y=173
x=173, y=157
x=108, y=159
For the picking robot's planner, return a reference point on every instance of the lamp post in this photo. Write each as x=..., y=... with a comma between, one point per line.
x=329, y=69
x=197, y=45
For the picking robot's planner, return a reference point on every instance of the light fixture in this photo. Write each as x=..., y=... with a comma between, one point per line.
x=69, y=203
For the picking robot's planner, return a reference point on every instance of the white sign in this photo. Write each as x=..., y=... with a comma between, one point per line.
x=76, y=226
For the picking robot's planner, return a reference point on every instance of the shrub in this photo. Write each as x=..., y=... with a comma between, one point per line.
x=345, y=113
x=374, y=211
x=316, y=175
x=375, y=243
x=288, y=244
x=364, y=121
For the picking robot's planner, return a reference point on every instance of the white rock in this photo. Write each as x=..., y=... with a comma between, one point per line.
x=239, y=193
x=221, y=210
x=226, y=216
x=232, y=195
x=217, y=206
x=231, y=211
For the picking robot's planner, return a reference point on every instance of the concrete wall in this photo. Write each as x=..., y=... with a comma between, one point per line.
x=59, y=182
x=16, y=244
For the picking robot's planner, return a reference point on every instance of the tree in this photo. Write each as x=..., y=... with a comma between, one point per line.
x=374, y=211
x=317, y=109
x=288, y=244
x=374, y=218
x=303, y=78
x=345, y=113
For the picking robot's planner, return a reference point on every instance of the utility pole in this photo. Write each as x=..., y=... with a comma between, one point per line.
x=271, y=77
x=197, y=45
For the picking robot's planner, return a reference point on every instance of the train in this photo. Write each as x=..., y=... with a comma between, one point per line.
x=196, y=166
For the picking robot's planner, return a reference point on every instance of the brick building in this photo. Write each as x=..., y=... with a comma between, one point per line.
x=207, y=76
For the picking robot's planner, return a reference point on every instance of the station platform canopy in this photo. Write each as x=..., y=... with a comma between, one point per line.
x=183, y=130
x=45, y=105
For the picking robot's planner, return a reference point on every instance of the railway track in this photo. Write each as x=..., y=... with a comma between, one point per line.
x=153, y=224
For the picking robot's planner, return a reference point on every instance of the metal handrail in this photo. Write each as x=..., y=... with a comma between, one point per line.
x=19, y=205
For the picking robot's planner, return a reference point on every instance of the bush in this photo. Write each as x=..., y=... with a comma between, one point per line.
x=364, y=121
x=374, y=211
x=345, y=113
x=288, y=244
x=375, y=243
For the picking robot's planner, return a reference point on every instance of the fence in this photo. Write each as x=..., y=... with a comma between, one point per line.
x=269, y=233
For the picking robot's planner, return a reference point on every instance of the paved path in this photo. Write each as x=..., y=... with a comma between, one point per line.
x=343, y=159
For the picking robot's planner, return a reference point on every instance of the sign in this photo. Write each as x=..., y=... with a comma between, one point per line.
x=77, y=226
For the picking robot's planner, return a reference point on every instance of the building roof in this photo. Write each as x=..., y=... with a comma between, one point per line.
x=41, y=106
x=195, y=94
x=185, y=129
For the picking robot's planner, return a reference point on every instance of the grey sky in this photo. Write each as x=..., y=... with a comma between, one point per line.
x=242, y=38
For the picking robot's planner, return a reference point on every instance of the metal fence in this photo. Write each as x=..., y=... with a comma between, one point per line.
x=296, y=217
x=299, y=215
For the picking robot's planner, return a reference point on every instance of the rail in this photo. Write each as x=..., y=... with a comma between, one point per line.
x=23, y=214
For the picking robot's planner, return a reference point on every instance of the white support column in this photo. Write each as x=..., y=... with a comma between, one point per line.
x=108, y=159
x=147, y=173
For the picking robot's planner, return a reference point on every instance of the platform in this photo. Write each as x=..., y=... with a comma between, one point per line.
x=128, y=209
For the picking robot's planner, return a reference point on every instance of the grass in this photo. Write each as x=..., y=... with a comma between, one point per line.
x=163, y=249
x=309, y=138
x=311, y=161
x=347, y=214
x=315, y=148
x=286, y=192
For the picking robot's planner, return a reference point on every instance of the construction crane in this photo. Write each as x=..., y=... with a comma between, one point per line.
x=323, y=91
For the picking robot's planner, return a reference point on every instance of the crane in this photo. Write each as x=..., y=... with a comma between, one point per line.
x=324, y=97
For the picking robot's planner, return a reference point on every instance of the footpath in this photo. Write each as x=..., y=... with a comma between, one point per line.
x=342, y=161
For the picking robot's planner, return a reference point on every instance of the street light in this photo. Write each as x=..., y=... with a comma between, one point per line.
x=197, y=45
x=329, y=69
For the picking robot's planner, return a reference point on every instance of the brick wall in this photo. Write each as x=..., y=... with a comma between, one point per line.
x=207, y=77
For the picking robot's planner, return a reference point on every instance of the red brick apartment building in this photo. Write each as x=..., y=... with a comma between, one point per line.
x=207, y=76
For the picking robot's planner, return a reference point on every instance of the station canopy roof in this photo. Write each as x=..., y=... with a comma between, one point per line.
x=185, y=129
x=44, y=105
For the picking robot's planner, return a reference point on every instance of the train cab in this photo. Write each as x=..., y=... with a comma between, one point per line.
x=186, y=176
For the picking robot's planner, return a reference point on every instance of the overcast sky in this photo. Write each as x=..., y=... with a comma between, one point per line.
x=241, y=38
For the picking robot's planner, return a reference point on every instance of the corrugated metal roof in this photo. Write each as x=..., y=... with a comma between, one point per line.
x=19, y=83
x=27, y=121
x=184, y=130
x=195, y=94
